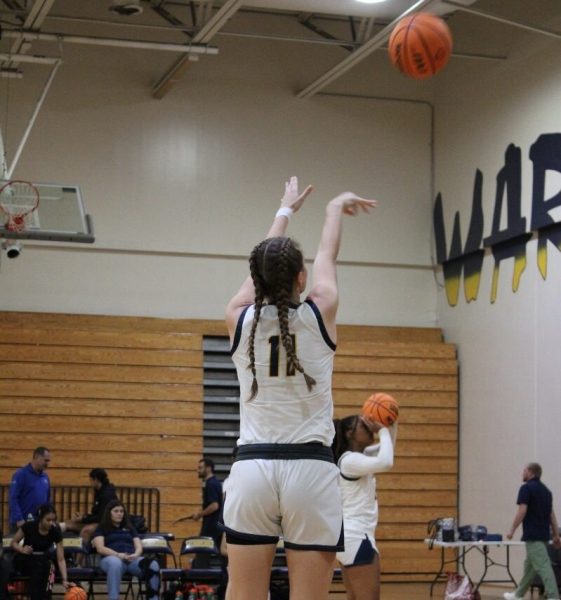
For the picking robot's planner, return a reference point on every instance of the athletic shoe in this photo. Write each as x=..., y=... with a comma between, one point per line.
x=511, y=596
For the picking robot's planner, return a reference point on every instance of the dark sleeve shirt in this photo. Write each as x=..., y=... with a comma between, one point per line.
x=212, y=492
x=39, y=542
x=539, y=500
x=102, y=497
x=120, y=539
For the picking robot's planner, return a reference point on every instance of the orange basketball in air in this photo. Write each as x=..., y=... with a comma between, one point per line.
x=420, y=45
x=381, y=408
x=75, y=593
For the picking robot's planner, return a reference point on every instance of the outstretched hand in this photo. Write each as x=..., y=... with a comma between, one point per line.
x=292, y=199
x=351, y=203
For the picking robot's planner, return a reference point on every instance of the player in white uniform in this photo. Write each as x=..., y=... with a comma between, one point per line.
x=359, y=459
x=284, y=480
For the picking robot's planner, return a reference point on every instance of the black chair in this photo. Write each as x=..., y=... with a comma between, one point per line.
x=157, y=545
x=213, y=573
x=154, y=544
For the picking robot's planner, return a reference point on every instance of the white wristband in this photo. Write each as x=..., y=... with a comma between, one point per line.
x=284, y=211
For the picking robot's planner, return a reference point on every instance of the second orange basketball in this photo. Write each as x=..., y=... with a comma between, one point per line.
x=75, y=593
x=381, y=408
x=420, y=45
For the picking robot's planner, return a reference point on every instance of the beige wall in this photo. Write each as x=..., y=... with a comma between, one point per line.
x=175, y=186
x=508, y=351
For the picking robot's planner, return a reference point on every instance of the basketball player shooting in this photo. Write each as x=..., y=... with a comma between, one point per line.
x=284, y=480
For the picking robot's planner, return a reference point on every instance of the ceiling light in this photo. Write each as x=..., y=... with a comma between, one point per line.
x=126, y=8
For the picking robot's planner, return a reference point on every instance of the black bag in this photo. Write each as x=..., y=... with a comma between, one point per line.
x=442, y=530
x=139, y=523
x=472, y=533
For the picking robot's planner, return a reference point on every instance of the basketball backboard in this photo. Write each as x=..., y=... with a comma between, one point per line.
x=60, y=216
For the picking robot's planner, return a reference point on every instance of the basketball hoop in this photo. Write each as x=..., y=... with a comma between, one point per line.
x=18, y=199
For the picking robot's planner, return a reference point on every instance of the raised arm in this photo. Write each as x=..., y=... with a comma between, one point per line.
x=324, y=290
x=290, y=203
x=357, y=464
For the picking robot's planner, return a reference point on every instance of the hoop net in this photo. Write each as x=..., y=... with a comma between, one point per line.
x=18, y=199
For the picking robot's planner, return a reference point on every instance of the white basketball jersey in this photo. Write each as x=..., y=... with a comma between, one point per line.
x=358, y=483
x=284, y=411
x=360, y=506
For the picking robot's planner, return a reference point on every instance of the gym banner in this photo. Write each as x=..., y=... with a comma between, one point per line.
x=466, y=258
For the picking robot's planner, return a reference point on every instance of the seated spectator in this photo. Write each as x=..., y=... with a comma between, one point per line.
x=104, y=492
x=33, y=558
x=4, y=572
x=120, y=548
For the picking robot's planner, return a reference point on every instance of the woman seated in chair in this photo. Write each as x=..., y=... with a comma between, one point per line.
x=120, y=548
x=33, y=557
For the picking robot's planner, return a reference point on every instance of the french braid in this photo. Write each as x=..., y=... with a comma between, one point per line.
x=274, y=264
x=259, y=286
x=282, y=301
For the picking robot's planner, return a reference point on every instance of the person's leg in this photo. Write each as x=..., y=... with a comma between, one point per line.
x=86, y=532
x=309, y=573
x=362, y=582
x=148, y=570
x=38, y=569
x=114, y=568
x=4, y=578
x=528, y=575
x=541, y=563
x=71, y=525
x=250, y=571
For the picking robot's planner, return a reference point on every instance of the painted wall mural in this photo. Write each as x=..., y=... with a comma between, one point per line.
x=510, y=241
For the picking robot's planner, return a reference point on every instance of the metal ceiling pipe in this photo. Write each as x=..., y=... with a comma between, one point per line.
x=210, y=28
x=113, y=42
x=492, y=17
x=28, y=58
x=358, y=55
x=33, y=118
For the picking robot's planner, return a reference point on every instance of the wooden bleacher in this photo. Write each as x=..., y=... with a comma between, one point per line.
x=126, y=394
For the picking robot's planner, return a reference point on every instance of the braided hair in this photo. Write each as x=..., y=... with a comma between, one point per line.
x=274, y=265
x=341, y=440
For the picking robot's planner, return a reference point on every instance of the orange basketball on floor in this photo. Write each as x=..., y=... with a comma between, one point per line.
x=420, y=45
x=381, y=408
x=75, y=593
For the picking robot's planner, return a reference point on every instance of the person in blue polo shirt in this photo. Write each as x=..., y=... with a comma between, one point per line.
x=120, y=548
x=29, y=489
x=535, y=512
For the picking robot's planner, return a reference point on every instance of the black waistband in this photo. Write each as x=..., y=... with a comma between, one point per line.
x=311, y=450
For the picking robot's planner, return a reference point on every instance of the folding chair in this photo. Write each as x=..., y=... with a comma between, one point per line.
x=73, y=546
x=157, y=545
x=215, y=573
